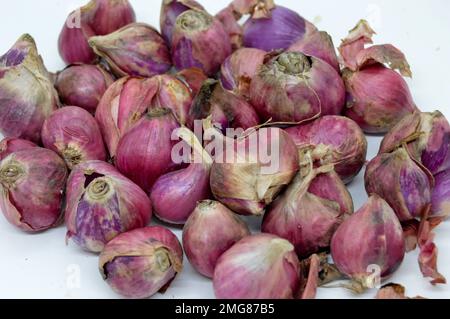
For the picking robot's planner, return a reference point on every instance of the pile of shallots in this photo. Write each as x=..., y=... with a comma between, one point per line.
x=210, y=119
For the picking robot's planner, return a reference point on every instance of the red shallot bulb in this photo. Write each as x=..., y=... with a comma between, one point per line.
x=83, y=85
x=170, y=10
x=141, y=262
x=333, y=140
x=310, y=210
x=101, y=204
x=74, y=134
x=401, y=182
x=249, y=172
x=199, y=40
x=136, y=49
x=293, y=87
x=210, y=231
x=32, y=183
x=98, y=17
x=26, y=91
x=377, y=96
x=239, y=69
x=225, y=108
x=371, y=240
x=144, y=153
x=427, y=136
x=12, y=145
x=175, y=195
x=258, y=267
x=129, y=99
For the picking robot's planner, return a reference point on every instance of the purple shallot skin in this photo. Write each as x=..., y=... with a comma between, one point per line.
x=176, y=194
x=318, y=44
x=279, y=30
x=32, y=182
x=101, y=204
x=144, y=153
x=377, y=96
x=294, y=88
x=98, y=17
x=12, y=145
x=170, y=10
x=440, y=197
x=239, y=69
x=74, y=134
x=333, y=140
x=225, y=108
x=371, y=237
x=136, y=50
x=400, y=181
x=83, y=85
x=199, y=40
x=210, y=231
x=142, y=262
x=427, y=136
x=310, y=210
x=26, y=91
x=258, y=267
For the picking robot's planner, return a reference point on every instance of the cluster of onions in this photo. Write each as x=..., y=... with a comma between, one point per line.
x=210, y=119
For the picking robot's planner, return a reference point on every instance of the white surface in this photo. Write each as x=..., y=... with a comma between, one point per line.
x=42, y=266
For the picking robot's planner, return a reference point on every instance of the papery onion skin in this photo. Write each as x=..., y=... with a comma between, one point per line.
x=210, y=231
x=377, y=98
x=308, y=213
x=199, y=40
x=427, y=136
x=142, y=262
x=318, y=44
x=26, y=91
x=402, y=183
x=193, y=78
x=145, y=153
x=98, y=17
x=440, y=197
x=333, y=140
x=12, y=145
x=244, y=186
x=293, y=87
x=170, y=10
x=136, y=49
x=101, y=204
x=74, y=134
x=280, y=30
x=239, y=69
x=372, y=237
x=258, y=267
x=224, y=107
x=83, y=85
x=32, y=183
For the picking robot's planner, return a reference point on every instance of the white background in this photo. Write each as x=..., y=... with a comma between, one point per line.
x=41, y=266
